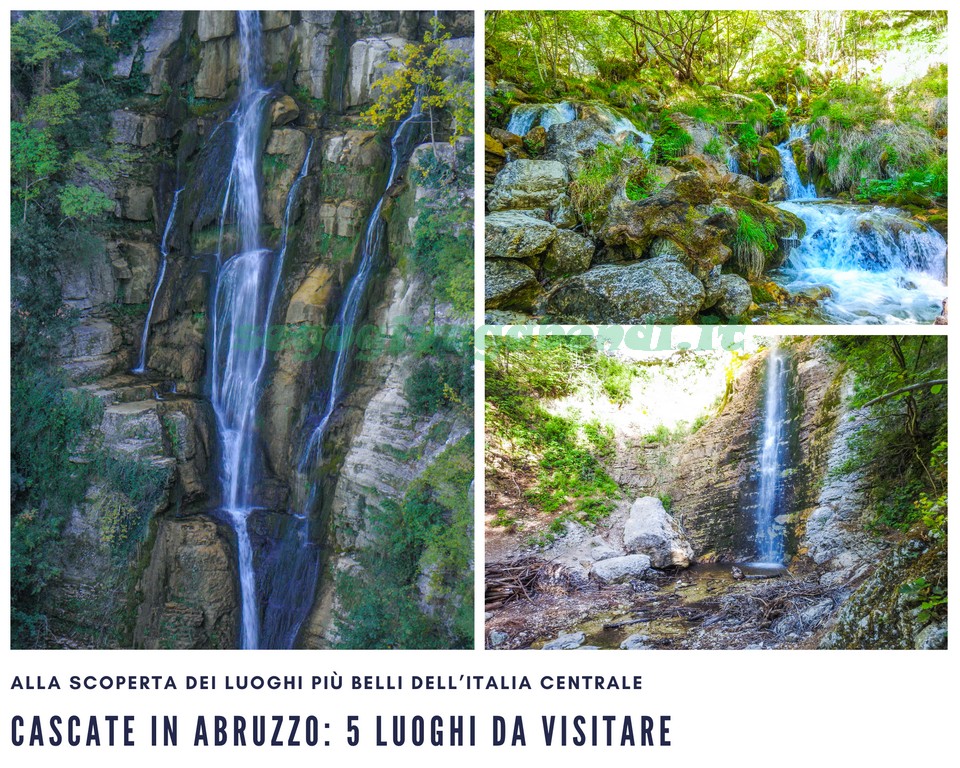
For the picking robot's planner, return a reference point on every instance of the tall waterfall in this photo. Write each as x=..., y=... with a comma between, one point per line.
x=242, y=295
x=161, y=272
x=770, y=549
x=796, y=188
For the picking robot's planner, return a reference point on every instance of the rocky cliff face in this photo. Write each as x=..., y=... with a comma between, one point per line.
x=147, y=528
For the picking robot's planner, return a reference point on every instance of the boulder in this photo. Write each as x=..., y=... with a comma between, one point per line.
x=568, y=254
x=651, y=531
x=136, y=203
x=131, y=128
x=653, y=291
x=509, y=285
x=615, y=570
x=528, y=184
x=736, y=296
x=284, y=110
x=566, y=642
x=516, y=235
x=568, y=143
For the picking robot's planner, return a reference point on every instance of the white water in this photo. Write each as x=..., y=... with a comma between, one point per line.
x=879, y=265
x=526, y=117
x=769, y=534
x=732, y=163
x=352, y=301
x=242, y=294
x=164, y=252
x=797, y=190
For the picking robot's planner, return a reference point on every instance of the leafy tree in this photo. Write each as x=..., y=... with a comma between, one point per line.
x=425, y=73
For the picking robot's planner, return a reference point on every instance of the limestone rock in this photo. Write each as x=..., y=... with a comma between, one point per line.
x=636, y=642
x=370, y=61
x=566, y=642
x=284, y=110
x=615, y=570
x=189, y=589
x=214, y=24
x=136, y=203
x=137, y=270
x=651, y=531
x=568, y=254
x=87, y=283
x=516, y=235
x=131, y=128
x=509, y=285
x=736, y=297
x=271, y=20
x=528, y=184
x=219, y=66
x=657, y=290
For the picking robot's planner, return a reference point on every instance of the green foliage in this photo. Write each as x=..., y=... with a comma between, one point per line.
x=616, y=378
x=715, y=148
x=425, y=68
x=779, y=118
x=428, y=535
x=84, y=202
x=444, y=373
x=932, y=597
x=902, y=445
x=748, y=139
x=569, y=482
x=602, y=172
x=671, y=140
x=850, y=105
x=752, y=242
x=443, y=238
x=127, y=27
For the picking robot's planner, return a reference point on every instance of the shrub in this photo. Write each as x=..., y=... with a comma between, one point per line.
x=752, y=242
x=599, y=176
x=671, y=141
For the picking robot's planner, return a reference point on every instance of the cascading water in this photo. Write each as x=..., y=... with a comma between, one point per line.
x=242, y=297
x=878, y=265
x=796, y=188
x=733, y=165
x=769, y=533
x=164, y=252
x=525, y=117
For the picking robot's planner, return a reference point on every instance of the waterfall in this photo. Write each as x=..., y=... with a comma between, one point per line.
x=797, y=190
x=879, y=264
x=242, y=296
x=525, y=117
x=164, y=252
x=769, y=538
x=353, y=300
x=732, y=163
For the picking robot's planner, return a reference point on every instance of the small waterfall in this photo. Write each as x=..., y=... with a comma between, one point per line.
x=797, y=190
x=353, y=300
x=526, y=117
x=239, y=319
x=164, y=252
x=879, y=264
x=732, y=163
x=770, y=549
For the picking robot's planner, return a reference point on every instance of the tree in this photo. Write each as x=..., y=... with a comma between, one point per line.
x=425, y=72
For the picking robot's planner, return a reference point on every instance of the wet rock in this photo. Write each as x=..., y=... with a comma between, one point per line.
x=768, y=166
x=657, y=291
x=284, y=110
x=778, y=189
x=616, y=570
x=528, y=184
x=566, y=642
x=516, y=235
x=651, y=531
x=747, y=187
x=510, y=285
x=736, y=296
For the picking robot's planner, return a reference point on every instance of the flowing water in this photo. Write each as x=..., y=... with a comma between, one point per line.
x=525, y=117
x=773, y=440
x=796, y=188
x=877, y=265
x=243, y=296
x=164, y=252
